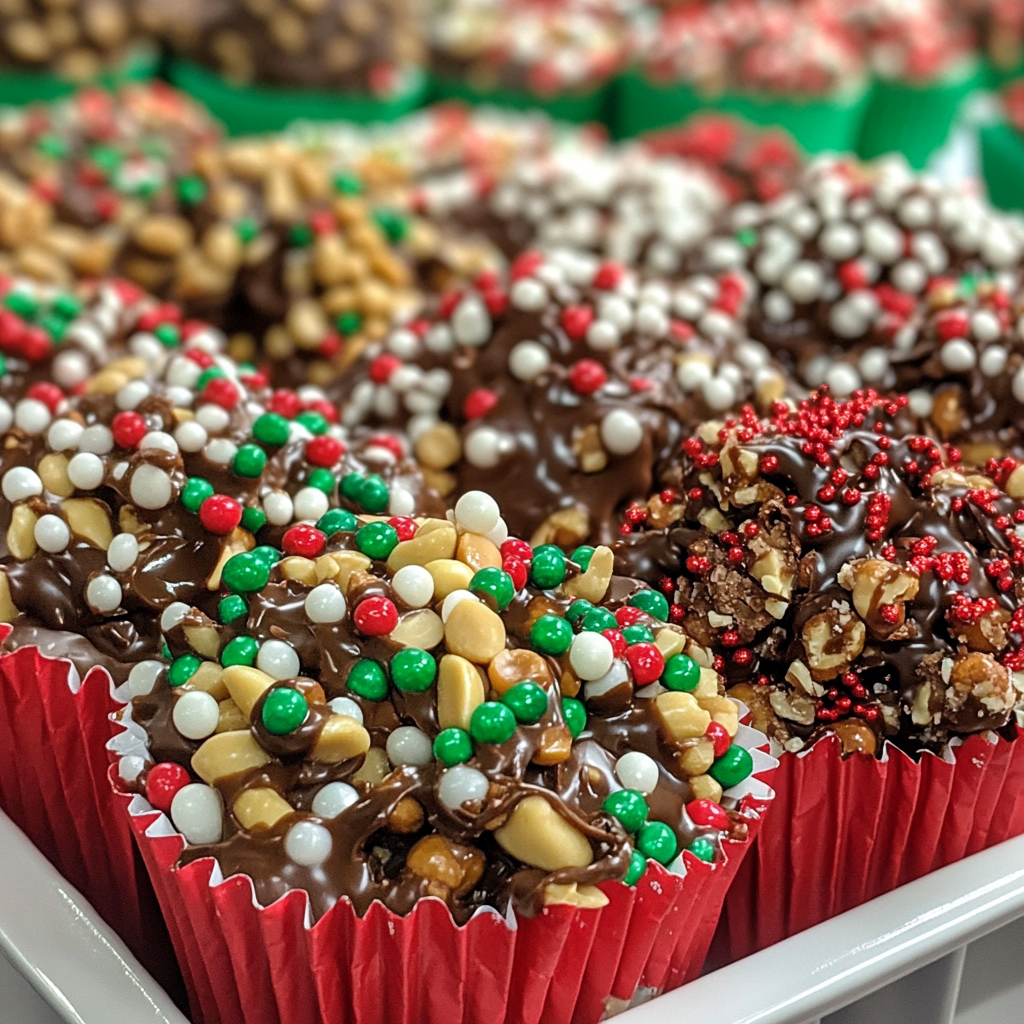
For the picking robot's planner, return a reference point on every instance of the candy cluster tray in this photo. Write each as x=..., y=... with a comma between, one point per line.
x=942, y=950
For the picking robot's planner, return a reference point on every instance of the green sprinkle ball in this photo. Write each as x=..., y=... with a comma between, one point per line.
x=657, y=841
x=245, y=573
x=597, y=620
x=374, y=494
x=323, y=480
x=335, y=521
x=453, y=746
x=313, y=421
x=348, y=322
x=527, y=700
x=284, y=711
x=242, y=650
x=195, y=492
x=270, y=428
x=250, y=461
x=732, y=767
x=551, y=635
x=637, y=867
x=703, y=849
x=231, y=608
x=629, y=806
x=377, y=540
x=575, y=715
x=582, y=556
x=413, y=670
x=650, y=601
x=547, y=570
x=492, y=722
x=638, y=634
x=367, y=679
x=183, y=669
x=253, y=519
x=577, y=610
x=267, y=555
x=495, y=584
x=681, y=673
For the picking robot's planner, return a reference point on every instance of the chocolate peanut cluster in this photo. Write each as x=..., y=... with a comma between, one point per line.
x=534, y=47
x=77, y=40
x=865, y=580
x=138, y=459
x=871, y=276
x=367, y=47
x=562, y=388
x=393, y=708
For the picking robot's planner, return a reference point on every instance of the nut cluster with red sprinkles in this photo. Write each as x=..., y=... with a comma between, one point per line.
x=863, y=577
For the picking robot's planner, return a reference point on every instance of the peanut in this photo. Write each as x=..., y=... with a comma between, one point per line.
x=478, y=552
x=555, y=746
x=474, y=632
x=260, y=808
x=420, y=627
x=517, y=665
x=681, y=716
x=246, y=685
x=21, y=540
x=696, y=757
x=724, y=711
x=231, y=718
x=439, y=446
x=407, y=816
x=53, y=471
x=567, y=527
x=341, y=738
x=300, y=569
x=375, y=767
x=448, y=575
x=8, y=612
x=460, y=690
x=436, y=538
x=89, y=519
x=706, y=788
x=589, y=897
x=538, y=835
x=163, y=235
x=227, y=753
x=204, y=640
x=448, y=867
x=592, y=585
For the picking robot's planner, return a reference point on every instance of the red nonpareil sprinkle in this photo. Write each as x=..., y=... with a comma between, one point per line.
x=698, y=565
x=576, y=320
x=383, y=366
x=375, y=616
x=479, y=402
x=163, y=781
x=324, y=450
x=128, y=429
x=49, y=394
x=222, y=391
x=405, y=527
x=587, y=376
x=646, y=661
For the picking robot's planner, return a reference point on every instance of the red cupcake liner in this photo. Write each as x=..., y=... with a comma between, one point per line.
x=248, y=964
x=845, y=831
x=54, y=729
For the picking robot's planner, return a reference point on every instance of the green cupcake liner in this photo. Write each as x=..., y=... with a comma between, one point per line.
x=1002, y=163
x=18, y=88
x=578, y=107
x=245, y=110
x=916, y=120
x=831, y=123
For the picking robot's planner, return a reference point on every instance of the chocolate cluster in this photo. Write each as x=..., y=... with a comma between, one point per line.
x=563, y=388
x=865, y=580
x=372, y=48
x=394, y=708
x=138, y=459
x=871, y=276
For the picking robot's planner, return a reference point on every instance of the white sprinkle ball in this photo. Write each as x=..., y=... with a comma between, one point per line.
x=196, y=715
x=346, y=706
x=591, y=655
x=325, y=603
x=196, y=813
x=278, y=659
x=133, y=394
x=958, y=355
x=454, y=598
x=528, y=360
x=637, y=770
x=21, y=482
x=461, y=784
x=621, y=432
x=64, y=434
x=477, y=512
x=103, y=593
x=413, y=586
x=143, y=677
x=310, y=503
x=158, y=440
x=150, y=487
x=52, y=533
x=191, y=436
x=96, y=439
x=173, y=615
x=308, y=843
x=32, y=416
x=279, y=508
x=483, y=448
x=334, y=798
x=409, y=745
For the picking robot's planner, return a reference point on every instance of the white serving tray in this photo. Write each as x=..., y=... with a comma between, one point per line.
x=63, y=965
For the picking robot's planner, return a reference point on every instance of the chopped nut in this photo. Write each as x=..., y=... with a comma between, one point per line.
x=681, y=716
x=593, y=584
x=565, y=528
x=832, y=640
x=877, y=586
x=407, y=816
